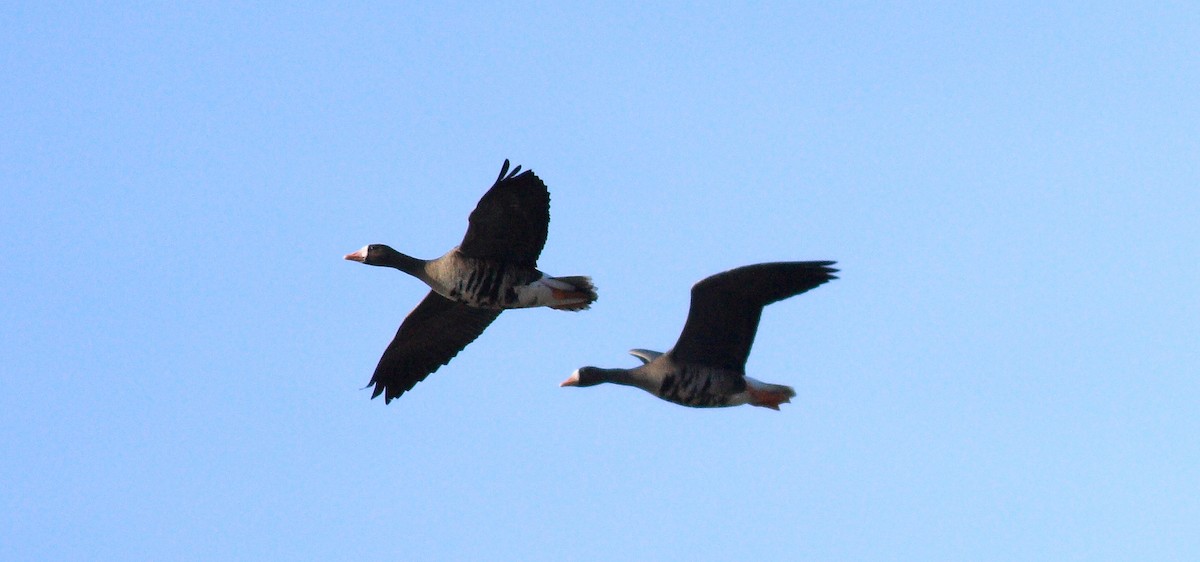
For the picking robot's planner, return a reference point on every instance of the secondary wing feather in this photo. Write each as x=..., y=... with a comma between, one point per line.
x=726, y=307
x=432, y=334
x=511, y=220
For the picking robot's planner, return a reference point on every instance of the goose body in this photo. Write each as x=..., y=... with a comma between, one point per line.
x=706, y=368
x=489, y=283
x=493, y=269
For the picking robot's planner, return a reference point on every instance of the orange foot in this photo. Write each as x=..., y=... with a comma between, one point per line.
x=561, y=295
x=768, y=398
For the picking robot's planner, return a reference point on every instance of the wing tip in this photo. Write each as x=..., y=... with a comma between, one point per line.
x=505, y=174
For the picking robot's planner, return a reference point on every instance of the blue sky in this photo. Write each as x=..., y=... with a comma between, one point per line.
x=1006, y=370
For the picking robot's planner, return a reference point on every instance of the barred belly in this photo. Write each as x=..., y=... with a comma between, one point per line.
x=702, y=387
x=487, y=284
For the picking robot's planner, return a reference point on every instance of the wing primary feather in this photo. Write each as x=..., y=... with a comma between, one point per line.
x=503, y=171
x=433, y=333
x=726, y=308
x=511, y=220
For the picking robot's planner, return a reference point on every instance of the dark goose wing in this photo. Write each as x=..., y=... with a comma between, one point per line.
x=433, y=333
x=726, y=307
x=510, y=222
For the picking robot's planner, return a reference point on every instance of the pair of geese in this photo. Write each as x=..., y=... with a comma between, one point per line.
x=495, y=268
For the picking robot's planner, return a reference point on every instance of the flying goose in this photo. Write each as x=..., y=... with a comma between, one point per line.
x=493, y=269
x=707, y=366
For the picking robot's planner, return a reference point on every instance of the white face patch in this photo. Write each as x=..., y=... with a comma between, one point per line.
x=573, y=380
x=360, y=255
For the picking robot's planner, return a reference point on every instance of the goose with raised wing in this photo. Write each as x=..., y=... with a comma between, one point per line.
x=493, y=269
x=707, y=366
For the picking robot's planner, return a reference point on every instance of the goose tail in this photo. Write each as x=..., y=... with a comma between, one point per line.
x=767, y=395
x=573, y=293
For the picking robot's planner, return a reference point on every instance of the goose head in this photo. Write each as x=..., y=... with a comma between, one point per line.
x=588, y=376
x=373, y=254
